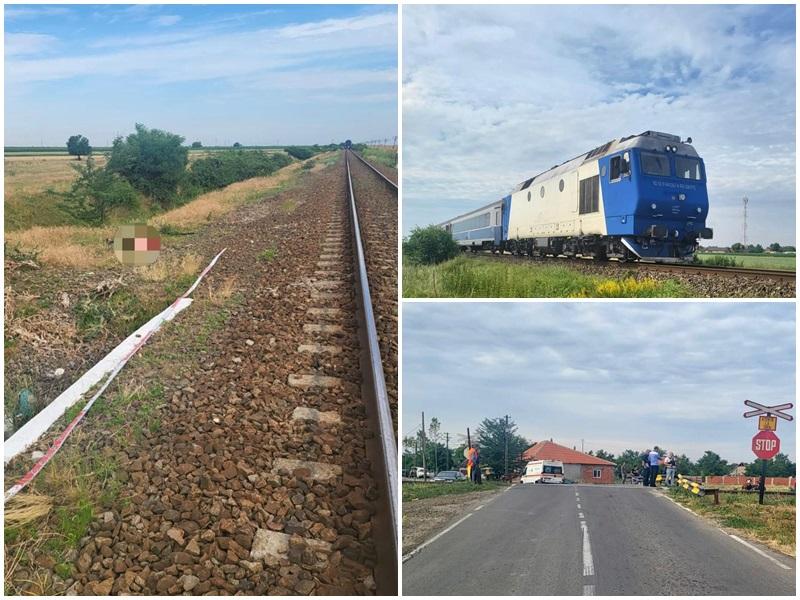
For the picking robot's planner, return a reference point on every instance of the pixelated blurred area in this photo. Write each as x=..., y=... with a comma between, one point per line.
x=137, y=245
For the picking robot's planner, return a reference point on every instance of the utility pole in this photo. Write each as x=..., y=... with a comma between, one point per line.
x=581, y=444
x=424, y=468
x=447, y=445
x=505, y=457
x=745, y=200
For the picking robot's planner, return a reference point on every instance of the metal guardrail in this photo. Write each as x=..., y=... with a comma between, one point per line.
x=387, y=437
x=378, y=173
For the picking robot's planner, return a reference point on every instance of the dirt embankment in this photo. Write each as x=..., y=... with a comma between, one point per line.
x=425, y=517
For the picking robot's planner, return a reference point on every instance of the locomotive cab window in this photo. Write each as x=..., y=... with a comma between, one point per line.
x=655, y=164
x=688, y=168
x=620, y=167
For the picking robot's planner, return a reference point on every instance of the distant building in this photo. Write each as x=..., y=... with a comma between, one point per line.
x=739, y=469
x=578, y=467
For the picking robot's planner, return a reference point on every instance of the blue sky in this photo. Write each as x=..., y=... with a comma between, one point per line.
x=617, y=375
x=495, y=94
x=256, y=74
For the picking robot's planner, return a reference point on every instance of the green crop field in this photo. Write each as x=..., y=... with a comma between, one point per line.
x=754, y=261
x=484, y=278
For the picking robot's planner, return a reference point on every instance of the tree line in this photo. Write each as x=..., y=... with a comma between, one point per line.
x=444, y=451
x=154, y=164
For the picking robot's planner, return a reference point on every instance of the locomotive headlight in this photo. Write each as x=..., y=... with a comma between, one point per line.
x=676, y=233
x=681, y=196
x=653, y=206
x=699, y=210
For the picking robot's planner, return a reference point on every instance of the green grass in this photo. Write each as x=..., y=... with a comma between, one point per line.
x=485, y=278
x=417, y=491
x=381, y=155
x=774, y=523
x=268, y=255
x=750, y=261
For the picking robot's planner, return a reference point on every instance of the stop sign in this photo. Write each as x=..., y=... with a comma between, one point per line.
x=766, y=444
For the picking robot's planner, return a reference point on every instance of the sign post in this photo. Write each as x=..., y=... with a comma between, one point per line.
x=765, y=443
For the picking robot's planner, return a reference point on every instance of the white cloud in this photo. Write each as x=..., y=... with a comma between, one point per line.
x=12, y=11
x=19, y=44
x=166, y=20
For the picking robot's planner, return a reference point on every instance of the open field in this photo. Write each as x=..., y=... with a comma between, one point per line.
x=754, y=261
x=464, y=277
x=774, y=523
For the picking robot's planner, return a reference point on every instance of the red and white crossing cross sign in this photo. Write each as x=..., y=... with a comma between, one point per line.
x=761, y=409
x=766, y=445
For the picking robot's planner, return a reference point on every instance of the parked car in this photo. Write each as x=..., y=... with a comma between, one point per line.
x=449, y=476
x=419, y=473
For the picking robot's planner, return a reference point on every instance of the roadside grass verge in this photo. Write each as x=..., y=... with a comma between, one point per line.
x=418, y=491
x=774, y=523
x=384, y=155
x=749, y=261
x=477, y=278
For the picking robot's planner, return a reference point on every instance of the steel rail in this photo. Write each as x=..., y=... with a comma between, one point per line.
x=381, y=175
x=388, y=442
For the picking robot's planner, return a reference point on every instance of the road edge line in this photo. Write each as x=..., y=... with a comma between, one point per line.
x=436, y=537
x=731, y=535
x=406, y=557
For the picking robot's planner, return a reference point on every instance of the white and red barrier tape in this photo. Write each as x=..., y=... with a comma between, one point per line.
x=25, y=438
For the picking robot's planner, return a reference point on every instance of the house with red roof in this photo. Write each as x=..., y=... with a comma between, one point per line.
x=578, y=467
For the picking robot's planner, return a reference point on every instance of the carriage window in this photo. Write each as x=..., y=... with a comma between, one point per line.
x=476, y=222
x=541, y=192
x=620, y=166
x=655, y=164
x=561, y=186
x=589, y=195
x=688, y=168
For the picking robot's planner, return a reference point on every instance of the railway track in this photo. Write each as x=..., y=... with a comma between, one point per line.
x=273, y=465
x=777, y=274
x=373, y=216
x=722, y=271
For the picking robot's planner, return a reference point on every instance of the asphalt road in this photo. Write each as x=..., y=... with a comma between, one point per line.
x=591, y=540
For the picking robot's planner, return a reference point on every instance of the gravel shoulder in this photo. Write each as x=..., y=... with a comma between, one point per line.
x=425, y=517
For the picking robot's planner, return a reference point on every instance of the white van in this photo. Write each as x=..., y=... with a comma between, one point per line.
x=544, y=471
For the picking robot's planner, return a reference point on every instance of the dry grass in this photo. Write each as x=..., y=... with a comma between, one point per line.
x=25, y=508
x=169, y=268
x=212, y=205
x=218, y=295
x=66, y=245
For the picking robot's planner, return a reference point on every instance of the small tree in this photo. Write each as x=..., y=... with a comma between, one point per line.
x=197, y=144
x=737, y=247
x=95, y=192
x=78, y=145
x=429, y=246
x=299, y=152
x=712, y=464
x=237, y=145
x=153, y=161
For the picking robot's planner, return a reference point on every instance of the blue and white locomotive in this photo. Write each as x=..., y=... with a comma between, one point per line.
x=638, y=197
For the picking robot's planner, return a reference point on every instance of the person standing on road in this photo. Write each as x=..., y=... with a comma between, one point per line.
x=646, y=467
x=653, y=458
x=669, y=462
